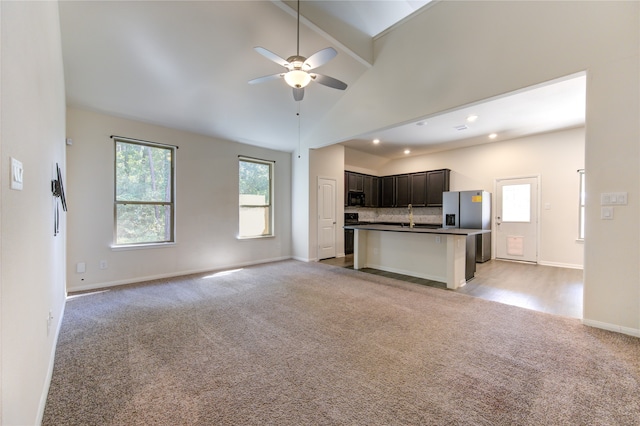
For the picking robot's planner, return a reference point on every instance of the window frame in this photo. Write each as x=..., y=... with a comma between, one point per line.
x=171, y=203
x=269, y=205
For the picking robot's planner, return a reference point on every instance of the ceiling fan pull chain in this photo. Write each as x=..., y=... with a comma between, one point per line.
x=298, y=40
x=298, y=114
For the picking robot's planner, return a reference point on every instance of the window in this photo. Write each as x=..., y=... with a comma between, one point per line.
x=144, y=195
x=516, y=203
x=255, y=198
x=582, y=206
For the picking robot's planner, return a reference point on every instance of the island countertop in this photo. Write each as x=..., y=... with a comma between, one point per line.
x=417, y=229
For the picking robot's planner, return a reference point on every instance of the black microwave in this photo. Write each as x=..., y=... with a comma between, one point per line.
x=355, y=198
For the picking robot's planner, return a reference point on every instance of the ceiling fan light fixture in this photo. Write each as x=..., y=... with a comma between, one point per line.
x=297, y=78
x=298, y=67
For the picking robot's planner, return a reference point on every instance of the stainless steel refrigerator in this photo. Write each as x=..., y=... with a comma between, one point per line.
x=470, y=210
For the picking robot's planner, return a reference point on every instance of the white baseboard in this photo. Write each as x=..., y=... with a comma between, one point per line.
x=52, y=359
x=560, y=265
x=612, y=327
x=304, y=259
x=173, y=274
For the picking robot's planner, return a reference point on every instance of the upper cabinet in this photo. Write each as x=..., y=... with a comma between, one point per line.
x=366, y=184
x=355, y=182
x=422, y=189
x=371, y=191
x=418, y=189
x=403, y=190
x=437, y=183
x=388, y=191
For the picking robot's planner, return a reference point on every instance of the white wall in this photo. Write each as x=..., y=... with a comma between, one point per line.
x=300, y=227
x=32, y=259
x=363, y=162
x=555, y=157
x=468, y=51
x=206, y=205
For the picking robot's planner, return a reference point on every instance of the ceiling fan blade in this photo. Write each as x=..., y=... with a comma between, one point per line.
x=320, y=58
x=298, y=94
x=266, y=78
x=271, y=56
x=328, y=81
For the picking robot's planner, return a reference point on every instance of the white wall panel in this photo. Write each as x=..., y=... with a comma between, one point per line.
x=32, y=259
x=206, y=205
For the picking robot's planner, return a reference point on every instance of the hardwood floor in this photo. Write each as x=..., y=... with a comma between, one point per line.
x=542, y=288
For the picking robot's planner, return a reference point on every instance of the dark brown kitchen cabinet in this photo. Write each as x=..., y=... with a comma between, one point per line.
x=371, y=191
x=348, y=241
x=346, y=189
x=403, y=190
x=355, y=182
x=387, y=191
x=437, y=183
x=418, y=189
x=395, y=191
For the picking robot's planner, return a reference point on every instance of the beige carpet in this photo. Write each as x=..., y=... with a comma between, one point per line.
x=292, y=343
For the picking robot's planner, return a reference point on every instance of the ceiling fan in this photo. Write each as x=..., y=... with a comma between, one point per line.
x=298, y=74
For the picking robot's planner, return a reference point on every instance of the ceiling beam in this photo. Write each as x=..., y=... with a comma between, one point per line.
x=348, y=39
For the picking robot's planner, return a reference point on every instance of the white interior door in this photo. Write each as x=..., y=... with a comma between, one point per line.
x=517, y=219
x=326, y=218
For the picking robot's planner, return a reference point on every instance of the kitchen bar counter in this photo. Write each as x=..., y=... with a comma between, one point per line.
x=418, y=228
x=438, y=254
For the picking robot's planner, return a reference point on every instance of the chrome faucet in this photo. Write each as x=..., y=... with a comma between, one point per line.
x=410, y=216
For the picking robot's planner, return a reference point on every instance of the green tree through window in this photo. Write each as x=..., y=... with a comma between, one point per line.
x=144, y=199
x=255, y=194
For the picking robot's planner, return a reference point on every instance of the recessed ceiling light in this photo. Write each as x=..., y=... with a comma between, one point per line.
x=421, y=123
x=406, y=151
x=376, y=141
x=472, y=118
x=493, y=135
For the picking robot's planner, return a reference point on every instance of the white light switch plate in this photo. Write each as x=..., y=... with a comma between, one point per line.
x=613, y=198
x=621, y=197
x=606, y=213
x=16, y=174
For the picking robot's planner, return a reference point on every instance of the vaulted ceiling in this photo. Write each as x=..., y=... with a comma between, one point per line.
x=186, y=65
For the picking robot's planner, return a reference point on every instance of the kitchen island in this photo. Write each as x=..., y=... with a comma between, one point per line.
x=436, y=254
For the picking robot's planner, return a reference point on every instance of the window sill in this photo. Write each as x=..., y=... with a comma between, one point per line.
x=258, y=237
x=142, y=246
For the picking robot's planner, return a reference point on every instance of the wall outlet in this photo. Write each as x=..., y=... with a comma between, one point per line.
x=81, y=267
x=103, y=264
x=438, y=239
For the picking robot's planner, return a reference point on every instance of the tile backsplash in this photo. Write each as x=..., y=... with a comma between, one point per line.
x=432, y=215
